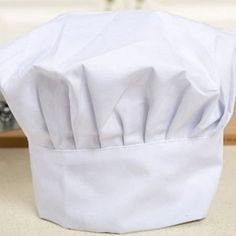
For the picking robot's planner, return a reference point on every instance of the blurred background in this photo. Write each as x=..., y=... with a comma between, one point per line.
x=20, y=16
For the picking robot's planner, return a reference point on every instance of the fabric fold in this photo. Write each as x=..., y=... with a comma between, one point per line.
x=129, y=78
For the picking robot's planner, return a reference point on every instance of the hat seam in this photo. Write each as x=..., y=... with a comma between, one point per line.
x=190, y=139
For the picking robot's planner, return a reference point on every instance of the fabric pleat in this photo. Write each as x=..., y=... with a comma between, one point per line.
x=120, y=78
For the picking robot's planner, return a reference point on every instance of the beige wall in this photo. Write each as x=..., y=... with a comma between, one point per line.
x=19, y=16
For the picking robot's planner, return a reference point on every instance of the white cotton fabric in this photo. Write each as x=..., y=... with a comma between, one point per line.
x=124, y=114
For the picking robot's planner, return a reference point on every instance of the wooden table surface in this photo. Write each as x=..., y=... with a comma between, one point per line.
x=18, y=215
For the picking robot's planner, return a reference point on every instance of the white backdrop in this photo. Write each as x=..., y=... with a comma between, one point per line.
x=19, y=16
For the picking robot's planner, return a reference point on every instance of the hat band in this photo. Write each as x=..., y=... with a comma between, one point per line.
x=128, y=188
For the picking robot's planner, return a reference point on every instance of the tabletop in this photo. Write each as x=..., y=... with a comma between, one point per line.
x=18, y=215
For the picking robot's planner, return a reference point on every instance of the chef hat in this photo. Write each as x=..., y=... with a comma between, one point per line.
x=124, y=114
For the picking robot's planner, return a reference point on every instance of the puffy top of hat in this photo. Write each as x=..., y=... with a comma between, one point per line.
x=115, y=79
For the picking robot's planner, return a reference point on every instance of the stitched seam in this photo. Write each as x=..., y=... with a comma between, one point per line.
x=160, y=141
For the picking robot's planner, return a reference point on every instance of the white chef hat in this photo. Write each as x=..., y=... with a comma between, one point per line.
x=124, y=114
